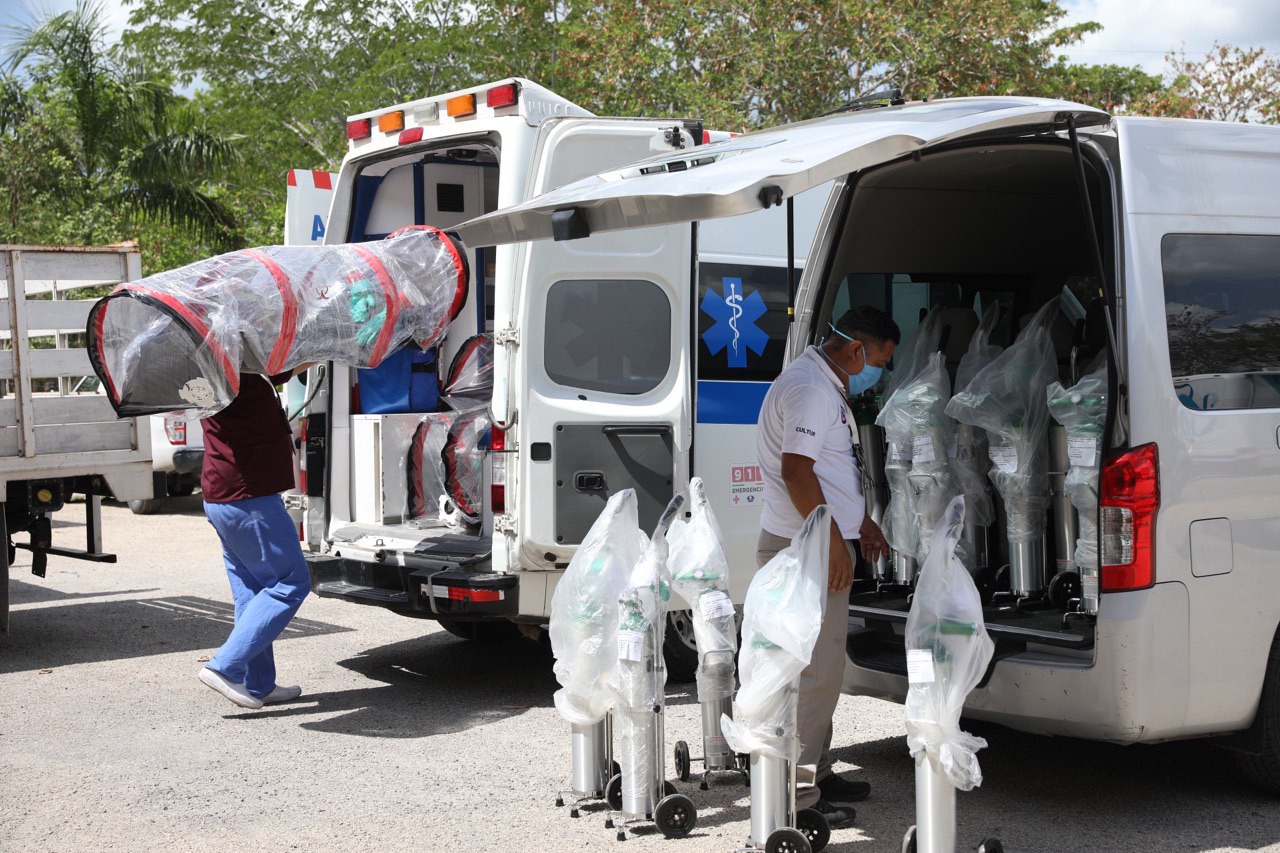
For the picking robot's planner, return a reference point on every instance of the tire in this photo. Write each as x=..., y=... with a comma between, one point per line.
x=679, y=649
x=184, y=486
x=613, y=793
x=1263, y=769
x=815, y=828
x=149, y=506
x=675, y=816
x=991, y=845
x=682, y=761
x=787, y=840
x=482, y=632
x=909, y=841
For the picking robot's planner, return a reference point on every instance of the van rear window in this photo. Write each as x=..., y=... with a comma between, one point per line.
x=609, y=336
x=1222, y=308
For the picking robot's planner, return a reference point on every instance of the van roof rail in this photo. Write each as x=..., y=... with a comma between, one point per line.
x=891, y=97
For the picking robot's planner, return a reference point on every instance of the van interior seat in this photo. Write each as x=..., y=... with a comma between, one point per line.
x=958, y=326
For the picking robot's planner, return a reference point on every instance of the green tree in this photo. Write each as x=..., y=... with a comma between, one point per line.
x=1228, y=83
x=133, y=154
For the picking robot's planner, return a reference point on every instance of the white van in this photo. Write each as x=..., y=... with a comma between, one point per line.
x=1175, y=258
x=601, y=408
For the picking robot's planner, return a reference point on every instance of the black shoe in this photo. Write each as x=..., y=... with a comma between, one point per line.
x=838, y=789
x=837, y=816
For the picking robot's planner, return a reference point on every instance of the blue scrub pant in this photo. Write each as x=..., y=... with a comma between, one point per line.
x=269, y=580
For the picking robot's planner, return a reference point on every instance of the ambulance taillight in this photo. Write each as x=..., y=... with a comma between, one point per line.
x=498, y=470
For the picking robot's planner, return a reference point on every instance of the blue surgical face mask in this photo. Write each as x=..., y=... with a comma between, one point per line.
x=868, y=376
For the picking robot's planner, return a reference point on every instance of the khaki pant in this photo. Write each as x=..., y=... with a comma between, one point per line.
x=820, y=683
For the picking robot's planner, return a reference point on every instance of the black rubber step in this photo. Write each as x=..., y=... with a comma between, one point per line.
x=363, y=594
x=456, y=548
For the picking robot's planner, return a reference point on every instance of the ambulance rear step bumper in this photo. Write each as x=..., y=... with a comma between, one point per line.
x=423, y=588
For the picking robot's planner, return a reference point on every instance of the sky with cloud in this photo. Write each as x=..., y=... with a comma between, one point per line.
x=1135, y=32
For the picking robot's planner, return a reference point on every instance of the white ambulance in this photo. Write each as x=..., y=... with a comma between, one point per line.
x=623, y=361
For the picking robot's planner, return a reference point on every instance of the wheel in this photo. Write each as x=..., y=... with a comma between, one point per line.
x=1063, y=587
x=667, y=788
x=149, y=506
x=909, y=841
x=682, y=761
x=675, y=816
x=1263, y=768
x=482, y=632
x=679, y=649
x=613, y=793
x=815, y=828
x=991, y=845
x=787, y=840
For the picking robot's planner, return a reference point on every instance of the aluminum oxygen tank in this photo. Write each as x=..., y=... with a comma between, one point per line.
x=1065, y=526
x=875, y=488
x=592, y=753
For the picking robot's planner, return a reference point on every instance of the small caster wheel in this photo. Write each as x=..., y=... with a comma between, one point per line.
x=815, y=828
x=573, y=812
x=608, y=823
x=613, y=793
x=909, y=841
x=787, y=840
x=559, y=802
x=622, y=835
x=682, y=761
x=1063, y=587
x=702, y=786
x=991, y=845
x=675, y=816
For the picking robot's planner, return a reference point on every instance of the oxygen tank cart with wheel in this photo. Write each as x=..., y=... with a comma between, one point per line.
x=783, y=613
x=639, y=793
x=591, y=748
x=700, y=575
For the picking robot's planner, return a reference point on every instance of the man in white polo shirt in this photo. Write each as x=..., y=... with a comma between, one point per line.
x=805, y=441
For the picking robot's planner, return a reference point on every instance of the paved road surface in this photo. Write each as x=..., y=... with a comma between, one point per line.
x=408, y=738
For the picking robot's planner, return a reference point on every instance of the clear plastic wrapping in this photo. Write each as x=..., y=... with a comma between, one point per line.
x=1082, y=411
x=948, y=650
x=424, y=471
x=903, y=396
x=921, y=406
x=469, y=383
x=700, y=575
x=181, y=338
x=444, y=470
x=782, y=616
x=972, y=462
x=1007, y=400
x=584, y=610
x=465, y=452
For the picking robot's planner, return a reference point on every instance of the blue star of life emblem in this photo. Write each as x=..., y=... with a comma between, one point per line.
x=735, y=316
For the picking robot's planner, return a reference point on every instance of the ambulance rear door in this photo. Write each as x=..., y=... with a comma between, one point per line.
x=595, y=349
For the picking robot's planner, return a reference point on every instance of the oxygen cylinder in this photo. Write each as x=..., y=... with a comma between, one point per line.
x=1065, y=528
x=875, y=488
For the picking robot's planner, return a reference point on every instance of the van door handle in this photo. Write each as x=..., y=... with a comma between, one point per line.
x=589, y=481
x=638, y=429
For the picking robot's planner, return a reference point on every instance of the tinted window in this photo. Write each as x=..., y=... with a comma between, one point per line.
x=1222, y=306
x=611, y=336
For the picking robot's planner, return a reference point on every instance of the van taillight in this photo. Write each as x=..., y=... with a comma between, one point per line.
x=1128, y=499
x=505, y=95
x=498, y=471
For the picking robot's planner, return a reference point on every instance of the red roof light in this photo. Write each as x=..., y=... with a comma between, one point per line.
x=361, y=128
x=506, y=95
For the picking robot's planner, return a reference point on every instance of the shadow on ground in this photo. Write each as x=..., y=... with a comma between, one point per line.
x=1079, y=794
x=79, y=630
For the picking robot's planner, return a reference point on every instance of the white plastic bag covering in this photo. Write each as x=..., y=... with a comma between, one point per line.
x=1007, y=399
x=972, y=463
x=900, y=522
x=1082, y=411
x=584, y=610
x=948, y=650
x=700, y=574
x=469, y=383
x=180, y=339
x=781, y=618
x=639, y=678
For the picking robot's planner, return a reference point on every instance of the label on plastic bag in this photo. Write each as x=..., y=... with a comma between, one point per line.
x=900, y=452
x=920, y=666
x=715, y=605
x=1082, y=450
x=922, y=449
x=630, y=645
x=1004, y=457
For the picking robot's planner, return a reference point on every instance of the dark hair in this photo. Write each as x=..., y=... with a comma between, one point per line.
x=865, y=323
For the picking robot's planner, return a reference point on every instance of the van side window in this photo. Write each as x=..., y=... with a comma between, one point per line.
x=609, y=336
x=1222, y=308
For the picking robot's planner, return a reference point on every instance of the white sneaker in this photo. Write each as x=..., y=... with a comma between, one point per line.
x=281, y=694
x=235, y=692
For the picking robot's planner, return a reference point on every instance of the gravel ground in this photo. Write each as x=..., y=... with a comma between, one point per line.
x=409, y=738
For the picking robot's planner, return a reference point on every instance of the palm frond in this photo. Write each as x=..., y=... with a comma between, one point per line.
x=185, y=206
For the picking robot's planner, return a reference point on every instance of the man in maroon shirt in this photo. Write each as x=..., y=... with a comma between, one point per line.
x=248, y=462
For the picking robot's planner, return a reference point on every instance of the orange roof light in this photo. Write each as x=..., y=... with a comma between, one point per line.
x=463, y=105
x=391, y=122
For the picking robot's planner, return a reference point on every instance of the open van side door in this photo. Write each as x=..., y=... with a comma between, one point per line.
x=598, y=360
